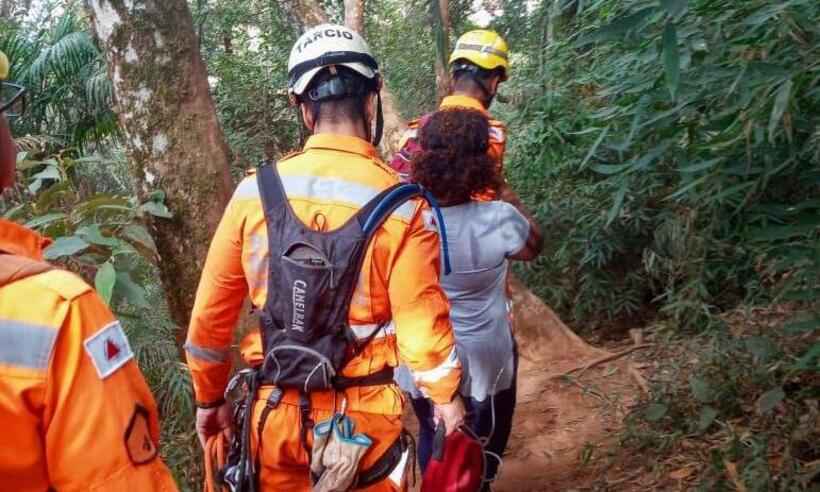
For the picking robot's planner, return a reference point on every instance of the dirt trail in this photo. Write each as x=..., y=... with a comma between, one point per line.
x=560, y=420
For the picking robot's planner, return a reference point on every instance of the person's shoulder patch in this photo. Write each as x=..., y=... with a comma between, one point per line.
x=497, y=133
x=429, y=219
x=141, y=448
x=109, y=349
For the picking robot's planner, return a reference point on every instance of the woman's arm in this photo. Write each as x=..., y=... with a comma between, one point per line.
x=535, y=240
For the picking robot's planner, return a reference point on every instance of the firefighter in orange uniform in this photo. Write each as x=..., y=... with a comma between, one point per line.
x=478, y=64
x=334, y=78
x=75, y=410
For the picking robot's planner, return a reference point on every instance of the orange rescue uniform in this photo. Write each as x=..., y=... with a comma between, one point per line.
x=75, y=410
x=399, y=287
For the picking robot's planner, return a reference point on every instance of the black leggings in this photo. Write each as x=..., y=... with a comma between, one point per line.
x=479, y=420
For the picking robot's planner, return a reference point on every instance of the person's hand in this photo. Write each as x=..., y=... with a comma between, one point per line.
x=212, y=421
x=452, y=414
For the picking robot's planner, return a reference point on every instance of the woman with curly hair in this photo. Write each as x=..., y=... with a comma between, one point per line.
x=482, y=237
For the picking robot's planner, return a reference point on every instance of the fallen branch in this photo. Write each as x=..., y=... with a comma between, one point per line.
x=639, y=380
x=604, y=359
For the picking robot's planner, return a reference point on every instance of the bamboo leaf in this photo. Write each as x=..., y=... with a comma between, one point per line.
x=675, y=7
x=594, y=147
x=781, y=102
x=617, y=204
x=671, y=59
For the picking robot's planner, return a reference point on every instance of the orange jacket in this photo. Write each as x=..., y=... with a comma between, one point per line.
x=409, y=145
x=326, y=184
x=75, y=411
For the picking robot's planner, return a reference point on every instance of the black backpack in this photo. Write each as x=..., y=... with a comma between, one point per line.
x=312, y=276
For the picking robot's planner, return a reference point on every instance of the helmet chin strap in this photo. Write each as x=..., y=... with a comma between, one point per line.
x=377, y=134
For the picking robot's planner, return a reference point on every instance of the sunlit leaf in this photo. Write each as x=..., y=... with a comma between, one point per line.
x=65, y=246
x=156, y=209
x=104, y=281
x=44, y=220
x=781, y=102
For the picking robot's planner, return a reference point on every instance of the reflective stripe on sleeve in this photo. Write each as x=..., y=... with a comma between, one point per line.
x=435, y=374
x=324, y=189
x=26, y=345
x=361, y=332
x=207, y=354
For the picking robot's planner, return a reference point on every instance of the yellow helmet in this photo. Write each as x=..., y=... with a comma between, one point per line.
x=4, y=66
x=483, y=48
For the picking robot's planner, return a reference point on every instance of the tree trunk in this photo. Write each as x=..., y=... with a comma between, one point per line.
x=442, y=49
x=173, y=139
x=354, y=15
x=5, y=8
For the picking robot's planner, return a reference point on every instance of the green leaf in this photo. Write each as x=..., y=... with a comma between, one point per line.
x=811, y=359
x=620, y=26
x=805, y=326
x=45, y=220
x=93, y=235
x=781, y=102
x=671, y=59
x=104, y=281
x=655, y=412
x=701, y=389
x=156, y=209
x=132, y=292
x=700, y=166
x=138, y=235
x=594, y=147
x=65, y=246
x=675, y=7
x=770, y=399
x=708, y=415
x=618, y=203
x=761, y=347
x=609, y=169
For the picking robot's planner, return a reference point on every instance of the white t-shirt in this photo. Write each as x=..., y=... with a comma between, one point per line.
x=481, y=236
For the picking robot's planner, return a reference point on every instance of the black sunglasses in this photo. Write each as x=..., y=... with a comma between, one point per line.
x=12, y=99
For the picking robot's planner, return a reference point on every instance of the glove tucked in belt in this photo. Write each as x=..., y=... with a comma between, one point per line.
x=336, y=454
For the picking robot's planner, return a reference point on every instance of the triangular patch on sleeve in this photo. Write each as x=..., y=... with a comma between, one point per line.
x=108, y=349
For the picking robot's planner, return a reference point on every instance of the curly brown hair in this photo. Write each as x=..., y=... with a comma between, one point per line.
x=453, y=164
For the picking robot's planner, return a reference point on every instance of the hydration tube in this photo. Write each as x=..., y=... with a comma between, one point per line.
x=398, y=196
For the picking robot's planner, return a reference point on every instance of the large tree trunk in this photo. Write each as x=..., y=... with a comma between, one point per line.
x=173, y=138
x=442, y=49
x=354, y=15
x=5, y=8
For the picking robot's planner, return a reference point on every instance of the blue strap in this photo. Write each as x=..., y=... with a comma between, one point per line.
x=400, y=195
x=442, y=228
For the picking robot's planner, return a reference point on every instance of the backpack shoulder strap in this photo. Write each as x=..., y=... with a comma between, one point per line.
x=271, y=191
x=373, y=215
x=14, y=268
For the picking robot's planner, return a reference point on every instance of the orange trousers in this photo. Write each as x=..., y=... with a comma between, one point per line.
x=284, y=461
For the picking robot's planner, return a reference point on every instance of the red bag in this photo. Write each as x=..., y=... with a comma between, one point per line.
x=457, y=464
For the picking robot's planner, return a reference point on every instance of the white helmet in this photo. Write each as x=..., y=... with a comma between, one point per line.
x=326, y=45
